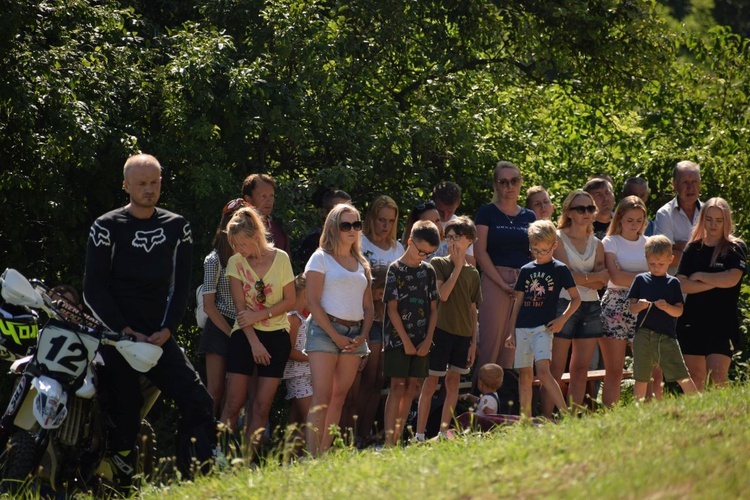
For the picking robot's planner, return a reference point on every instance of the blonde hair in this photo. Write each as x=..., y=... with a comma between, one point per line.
x=728, y=239
x=627, y=203
x=491, y=375
x=501, y=165
x=300, y=282
x=542, y=231
x=658, y=245
x=378, y=204
x=247, y=221
x=565, y=220
x=329, y=238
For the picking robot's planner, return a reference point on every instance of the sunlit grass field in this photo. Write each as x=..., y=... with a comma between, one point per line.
x=683, y=447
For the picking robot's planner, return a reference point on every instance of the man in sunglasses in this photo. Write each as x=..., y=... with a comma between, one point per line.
x=137, y=281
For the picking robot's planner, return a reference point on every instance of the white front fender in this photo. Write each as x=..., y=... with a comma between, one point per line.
x=49, y=403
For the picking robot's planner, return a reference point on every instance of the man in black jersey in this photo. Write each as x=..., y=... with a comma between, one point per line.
x=137, y=281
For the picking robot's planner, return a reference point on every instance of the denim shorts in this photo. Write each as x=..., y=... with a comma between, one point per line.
x=376, y=333
x=532, y=344
x=319, y=341
x=585, y=323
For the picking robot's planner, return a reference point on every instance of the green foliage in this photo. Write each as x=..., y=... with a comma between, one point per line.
x=371, y=97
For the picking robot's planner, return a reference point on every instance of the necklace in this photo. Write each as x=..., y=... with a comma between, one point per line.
x=511, y=219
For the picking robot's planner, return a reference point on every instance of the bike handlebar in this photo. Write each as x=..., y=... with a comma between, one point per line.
x=69, y=313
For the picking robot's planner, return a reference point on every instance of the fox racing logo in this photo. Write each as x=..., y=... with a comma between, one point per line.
x=187, y=234
x=99, y=235
x=149, y=239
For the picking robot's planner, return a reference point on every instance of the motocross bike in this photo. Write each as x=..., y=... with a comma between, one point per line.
x=54, y=427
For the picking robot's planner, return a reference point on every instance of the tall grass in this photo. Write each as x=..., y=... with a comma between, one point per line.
x=682, y=447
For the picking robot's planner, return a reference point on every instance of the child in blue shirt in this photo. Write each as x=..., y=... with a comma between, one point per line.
x=656, y=297
x=535, y=314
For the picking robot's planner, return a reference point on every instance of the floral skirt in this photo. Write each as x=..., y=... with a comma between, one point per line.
x=619, y=322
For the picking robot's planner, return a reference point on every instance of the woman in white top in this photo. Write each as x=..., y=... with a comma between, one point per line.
x=379, y=243
x=380, y=247
x=340, y=302
x=625, y=257
x=583, y=253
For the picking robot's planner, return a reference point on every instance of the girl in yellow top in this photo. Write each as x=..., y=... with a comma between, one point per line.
x=262, y=286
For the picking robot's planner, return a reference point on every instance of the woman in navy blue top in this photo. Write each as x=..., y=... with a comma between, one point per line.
x=501, y=248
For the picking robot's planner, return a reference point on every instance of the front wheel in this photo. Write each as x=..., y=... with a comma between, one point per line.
x=18, y=461
x=147, y=459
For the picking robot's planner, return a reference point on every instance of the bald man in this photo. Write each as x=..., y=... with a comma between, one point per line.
x=137, y=281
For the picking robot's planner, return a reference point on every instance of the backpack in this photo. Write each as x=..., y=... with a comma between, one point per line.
x=200, y=315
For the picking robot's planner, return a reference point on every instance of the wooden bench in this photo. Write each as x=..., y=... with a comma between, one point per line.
x=592, y=376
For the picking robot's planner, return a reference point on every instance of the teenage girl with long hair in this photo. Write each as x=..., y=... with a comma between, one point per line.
x=262, y=285
x=711, y=271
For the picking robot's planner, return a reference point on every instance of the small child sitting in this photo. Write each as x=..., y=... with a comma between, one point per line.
x=485, y=415
x=490, y=380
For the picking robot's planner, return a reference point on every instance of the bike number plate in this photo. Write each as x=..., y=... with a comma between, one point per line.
x=61, y=350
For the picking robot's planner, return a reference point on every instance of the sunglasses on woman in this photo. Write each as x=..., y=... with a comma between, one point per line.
x=345, y=227
x=582, y=209
x=233, y=206
x=427, y=205
x=260, y=287
x=506, y=183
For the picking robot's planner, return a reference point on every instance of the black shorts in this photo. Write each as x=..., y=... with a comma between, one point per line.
x=240, y=357
x=702, y=340
x=213, y=340
x=449, y=352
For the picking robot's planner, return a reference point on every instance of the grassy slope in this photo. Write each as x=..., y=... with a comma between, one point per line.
x=683, y=447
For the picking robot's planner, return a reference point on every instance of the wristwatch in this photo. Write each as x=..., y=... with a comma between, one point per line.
x=270, y=314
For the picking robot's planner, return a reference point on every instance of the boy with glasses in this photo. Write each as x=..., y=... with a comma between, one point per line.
x=455, y=339
x=535, y=314
x=411, y=303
